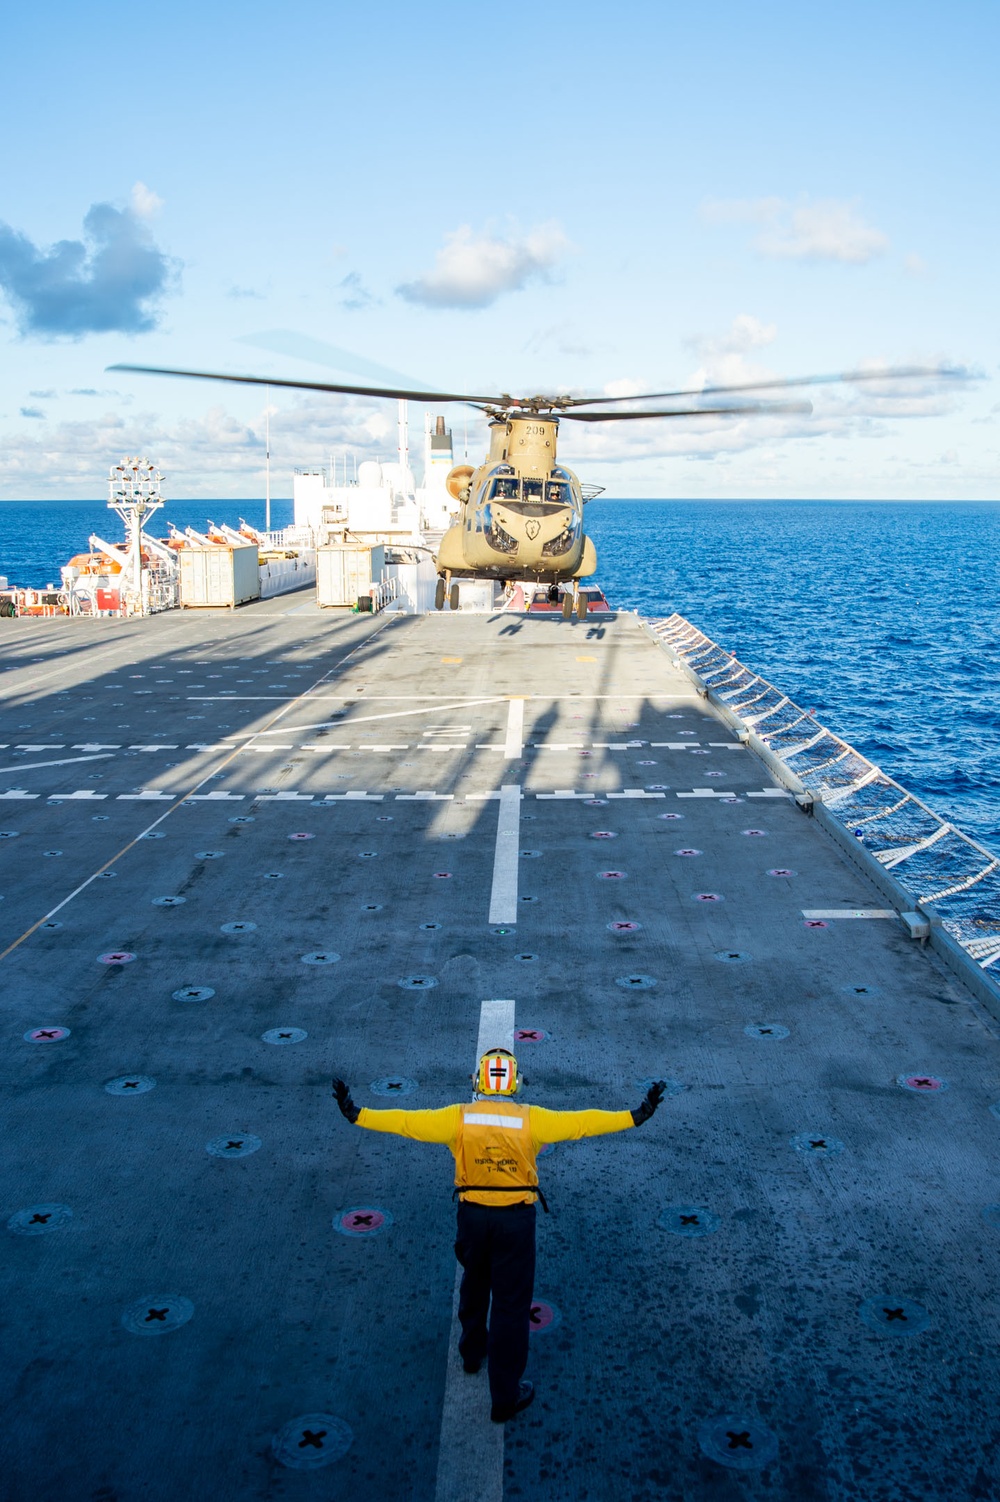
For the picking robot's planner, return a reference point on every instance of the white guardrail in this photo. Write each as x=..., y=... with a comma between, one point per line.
x=952, y=878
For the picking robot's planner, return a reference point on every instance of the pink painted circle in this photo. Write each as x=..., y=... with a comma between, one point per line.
x=364, y=1220
x=301, y=836
x=755, y=833
x=780, y=871
x=530, y=1035
x=612, y=875
x=442, y=875
x=603, y=834
x=816, y=923
x=589, y=775
x=586, y=753
x=922, y=1083
x=116, y=957
x=46, y=1034
x=708, y=897
x=623, y=926
x=687, y=852
x=543, y=1317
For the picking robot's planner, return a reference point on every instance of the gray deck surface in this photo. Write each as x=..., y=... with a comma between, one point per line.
x=757, y=1324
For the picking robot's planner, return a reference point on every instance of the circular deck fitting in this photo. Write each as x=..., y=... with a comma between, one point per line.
x=586, y=753
x=168, y=901
x=9, y=834
x=131, y=1084
x=732, y=956
x=530, y=855
x=320, y=957
x=46, y=1034
x=731, y=801
x=814, y=923
x=527, y=958
x=646, y=763
x=193, y=993
x=738, y=1442
x=895, y=1315
x=116, y=957
x=36, y=1220
x=531, y=1035
x=311, y=1441
x=860, y=990
x=636, y=982
x=240, y=926
x=755, y=834
x=527, y=899
x=922, y=1084
x=695, y=752
x=766, y=1030
x=281, y=1035
x=670, y=816
x=816, y=1145
x=151, y=834
x=103, y=819
x=301, y=834
x=623, y=926
x=394, y=1084
x=209, y=855
x=688, y=1220
x=707, y=897
x=658, y=787
x=673, y=1087
x=595, y=803
x=429, y=927
x=106, y=875
x=383, y=818
x=273, y=875
x=239, y=1145
x=543, y=1317
x=362, y=1220
x=367, y=855
x=371, y=907
x=441, y=875
x=243, y=819
x=991, y=1215
x=502, y=932
x=158, y=1314
x=715, y=774
x=603, y=834
x=781, y=871
x=589, y=776
x=687, y=851
x=418, y=982
x=51, y=924
x=52, y=852
x=612, y=875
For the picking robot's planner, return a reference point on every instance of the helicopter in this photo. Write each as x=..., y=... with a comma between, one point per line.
x=520, y=512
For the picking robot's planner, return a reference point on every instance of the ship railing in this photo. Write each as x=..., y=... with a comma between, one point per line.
x=939, y=868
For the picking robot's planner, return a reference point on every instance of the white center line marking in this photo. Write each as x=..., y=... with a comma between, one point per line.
x=470, y=1450
x=514, y=743
x=66, y=761
x=503, y=896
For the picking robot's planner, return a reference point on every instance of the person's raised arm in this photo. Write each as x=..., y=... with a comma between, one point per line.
x=421, y=1126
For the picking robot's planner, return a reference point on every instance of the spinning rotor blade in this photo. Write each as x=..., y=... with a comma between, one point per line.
x=247, y=380
x=898, y=373
x=754, y=409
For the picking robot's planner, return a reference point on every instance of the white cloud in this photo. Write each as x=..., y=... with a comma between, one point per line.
x=744, y=333
x=914, y=265
x=144, y=203
x=472, y=270
x=826, y=229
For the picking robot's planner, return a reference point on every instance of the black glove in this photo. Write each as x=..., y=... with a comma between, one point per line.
x=344, y=1101
x=652, y=1099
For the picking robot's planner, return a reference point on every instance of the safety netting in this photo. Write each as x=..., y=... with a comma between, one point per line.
x=932, y=861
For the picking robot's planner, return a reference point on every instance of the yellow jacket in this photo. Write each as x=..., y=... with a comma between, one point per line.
x=496, y=1141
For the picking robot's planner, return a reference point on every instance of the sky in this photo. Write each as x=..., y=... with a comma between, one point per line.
x=571, y=198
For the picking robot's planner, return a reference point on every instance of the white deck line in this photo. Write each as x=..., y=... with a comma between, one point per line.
x=503, y=895
x=514, y=741
x=470, y=1449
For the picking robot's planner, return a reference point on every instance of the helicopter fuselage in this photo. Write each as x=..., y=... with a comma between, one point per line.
x=521, y=511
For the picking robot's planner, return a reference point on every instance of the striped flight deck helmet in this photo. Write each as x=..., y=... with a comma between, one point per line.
x=497, y=1073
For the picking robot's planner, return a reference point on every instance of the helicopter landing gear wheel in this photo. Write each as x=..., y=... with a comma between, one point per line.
x=567, y=606
x=582, y=602
x=439, y=595
x=453, y=597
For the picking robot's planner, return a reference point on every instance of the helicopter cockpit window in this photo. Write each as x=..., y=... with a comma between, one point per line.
x=533, y=490
x=504, y=489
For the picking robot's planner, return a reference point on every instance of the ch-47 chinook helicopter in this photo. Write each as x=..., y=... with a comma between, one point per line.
x=521, y=512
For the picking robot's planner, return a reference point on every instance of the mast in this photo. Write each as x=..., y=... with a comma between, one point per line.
x=267, y=458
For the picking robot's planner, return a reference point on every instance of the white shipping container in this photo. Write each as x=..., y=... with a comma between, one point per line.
x=344, y=574
x=219, y=576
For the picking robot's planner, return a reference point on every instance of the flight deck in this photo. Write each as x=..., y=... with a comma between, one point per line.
x=242, y=852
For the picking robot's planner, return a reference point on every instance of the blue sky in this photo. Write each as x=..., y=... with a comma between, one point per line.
x=586, y=197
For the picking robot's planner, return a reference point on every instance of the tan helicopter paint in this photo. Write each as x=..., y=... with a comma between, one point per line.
x=527, y=444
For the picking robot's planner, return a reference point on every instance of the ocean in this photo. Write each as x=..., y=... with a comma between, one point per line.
x=883, y=617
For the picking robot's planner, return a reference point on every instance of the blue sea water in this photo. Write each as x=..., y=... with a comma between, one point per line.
x=883, y=617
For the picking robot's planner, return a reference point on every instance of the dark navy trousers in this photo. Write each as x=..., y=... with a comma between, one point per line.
x=495, y=1245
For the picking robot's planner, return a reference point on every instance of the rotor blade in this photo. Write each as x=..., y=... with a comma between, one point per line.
x=759, y=409
x=247, y=380
x=318, y=352
x=898, y=373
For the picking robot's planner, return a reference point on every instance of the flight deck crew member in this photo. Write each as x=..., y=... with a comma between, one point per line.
x=495, y=1143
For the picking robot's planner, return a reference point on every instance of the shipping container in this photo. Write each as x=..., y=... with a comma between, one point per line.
x=219, y=576
x=345, y=573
